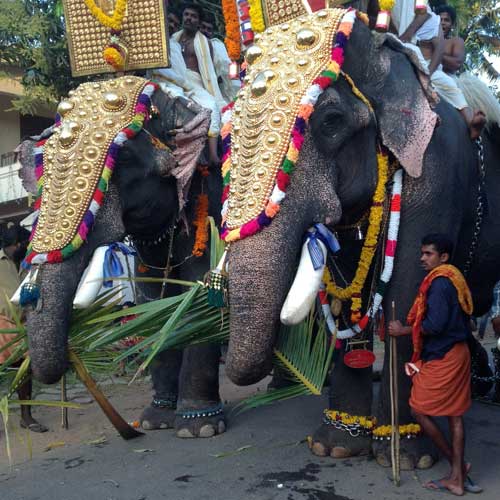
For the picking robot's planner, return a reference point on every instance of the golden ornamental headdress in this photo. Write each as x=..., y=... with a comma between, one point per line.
x=115, y=35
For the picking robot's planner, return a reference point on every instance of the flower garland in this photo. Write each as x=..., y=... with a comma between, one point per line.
x=384, y=431
x=386, y=5
x=353, y=291
x=200, y=221
x=384, y=15
x=326, y=78
x=115, y=21
x=354, y=424
x=386, y=274
x=141, y=112
x=257, y=16
x=115, y=54
x=232, y=22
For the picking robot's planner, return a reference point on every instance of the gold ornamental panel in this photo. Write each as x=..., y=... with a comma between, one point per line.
x=279, y=11
x=143, y=34
x=283, y=63
x=73, y=157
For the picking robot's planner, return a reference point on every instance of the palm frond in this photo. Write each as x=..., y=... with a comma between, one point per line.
x=305, y=352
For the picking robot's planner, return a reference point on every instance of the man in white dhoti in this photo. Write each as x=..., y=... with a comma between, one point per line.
x=228, y=87
x=425, y=30
x=201, y=78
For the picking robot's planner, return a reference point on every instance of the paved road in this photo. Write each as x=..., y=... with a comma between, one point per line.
x=272, y=463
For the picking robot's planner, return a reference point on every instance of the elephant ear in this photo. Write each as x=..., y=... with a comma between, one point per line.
x=190, y=141
x=405, y=118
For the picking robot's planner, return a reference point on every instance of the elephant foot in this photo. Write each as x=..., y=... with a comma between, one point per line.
x=156, y=417
x=414, y=453
x=200, y=423
x=336, y=443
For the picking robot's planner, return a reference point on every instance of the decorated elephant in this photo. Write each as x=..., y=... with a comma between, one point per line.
x=151, y=144
x=349, y=127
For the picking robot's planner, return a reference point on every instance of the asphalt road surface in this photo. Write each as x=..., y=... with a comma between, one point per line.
x=262, y=456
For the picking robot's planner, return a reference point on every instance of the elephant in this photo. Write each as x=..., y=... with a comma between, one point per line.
x=144, y=200
x=333, y=183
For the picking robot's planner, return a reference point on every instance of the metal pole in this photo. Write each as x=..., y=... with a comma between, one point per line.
x=393, y=375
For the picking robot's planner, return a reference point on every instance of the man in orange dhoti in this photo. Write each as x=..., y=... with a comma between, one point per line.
x=440, y=366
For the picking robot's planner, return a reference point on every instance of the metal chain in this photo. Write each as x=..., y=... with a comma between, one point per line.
x=354, y=430
x=479, y=207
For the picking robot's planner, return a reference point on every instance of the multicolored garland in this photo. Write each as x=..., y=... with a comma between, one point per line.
x=327, y=77
x=386, y=274
x=351, y=423
x=115, y=54
x=384, y=431
x=257, y=16
x=141, y=113
x=232, y=22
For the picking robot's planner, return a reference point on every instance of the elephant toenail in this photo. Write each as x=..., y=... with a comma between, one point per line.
x=221, y=427
x=407, y=462
x=382, y=460
x=207, y=431
x=425, y=462
x=185, y=433
x=340, y=452
x=319, y=449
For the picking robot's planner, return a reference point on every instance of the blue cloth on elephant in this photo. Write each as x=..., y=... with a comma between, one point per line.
x=445, y=323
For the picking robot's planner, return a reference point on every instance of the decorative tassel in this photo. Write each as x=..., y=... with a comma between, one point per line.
x=30, y=293
x=421, y=6
x=216, y=282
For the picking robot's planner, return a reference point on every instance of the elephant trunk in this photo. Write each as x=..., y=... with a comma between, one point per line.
x=261, y=271
x=48, y=325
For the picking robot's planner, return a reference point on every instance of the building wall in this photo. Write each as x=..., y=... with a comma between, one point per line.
x=10, y=125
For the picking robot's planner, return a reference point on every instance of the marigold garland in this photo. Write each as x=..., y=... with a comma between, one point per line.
x=201, y=224
x=256, y=16
x=408, y=430
x=232, y=22
x=115, y=21
x=353, y=291
x=114, y=58
x=386, y=5
x=367, y=423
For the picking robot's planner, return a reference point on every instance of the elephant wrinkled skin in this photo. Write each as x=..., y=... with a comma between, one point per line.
x=333, y=183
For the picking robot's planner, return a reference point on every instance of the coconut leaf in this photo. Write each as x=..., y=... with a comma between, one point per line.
x=305, y=352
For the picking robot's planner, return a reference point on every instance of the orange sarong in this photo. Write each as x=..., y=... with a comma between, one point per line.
x=442, y=387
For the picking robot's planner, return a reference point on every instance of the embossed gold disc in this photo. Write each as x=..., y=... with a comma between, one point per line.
x=284, y=62
x=73, y=157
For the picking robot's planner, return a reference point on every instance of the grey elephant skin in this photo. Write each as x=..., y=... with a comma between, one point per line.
x=334, y=181
x=143, y=201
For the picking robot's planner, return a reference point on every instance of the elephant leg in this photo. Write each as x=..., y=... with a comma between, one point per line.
x=164, y=368
x=199, y=410
x=496, y=363
x=350, y=392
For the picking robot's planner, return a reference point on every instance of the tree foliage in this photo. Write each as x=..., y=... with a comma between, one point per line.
x=33, y=40
x=478, y=23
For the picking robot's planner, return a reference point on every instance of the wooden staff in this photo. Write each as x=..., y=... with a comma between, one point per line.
x=393, y=375
x=64, y=398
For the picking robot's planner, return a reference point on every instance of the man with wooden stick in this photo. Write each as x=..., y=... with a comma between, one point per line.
x=441, y=363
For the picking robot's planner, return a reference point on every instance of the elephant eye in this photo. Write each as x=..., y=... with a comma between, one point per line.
x=331, y=120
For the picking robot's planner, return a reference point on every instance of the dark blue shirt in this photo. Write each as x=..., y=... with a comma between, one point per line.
x=445, y=323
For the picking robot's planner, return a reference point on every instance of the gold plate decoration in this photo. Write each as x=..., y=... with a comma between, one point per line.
x=75, y=164
x=283, y=70
x=143, y=36
x=280, y=11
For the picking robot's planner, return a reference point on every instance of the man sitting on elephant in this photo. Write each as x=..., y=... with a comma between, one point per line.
x=425, y=30
x=441, y=364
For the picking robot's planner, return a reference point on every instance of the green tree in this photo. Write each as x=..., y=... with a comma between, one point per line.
x=32, y=39
x=478, y=23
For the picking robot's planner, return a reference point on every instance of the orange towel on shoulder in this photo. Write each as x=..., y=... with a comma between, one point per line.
x=417, y=311
x=442, y=388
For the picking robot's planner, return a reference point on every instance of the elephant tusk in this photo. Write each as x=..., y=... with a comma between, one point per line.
x=304, y=288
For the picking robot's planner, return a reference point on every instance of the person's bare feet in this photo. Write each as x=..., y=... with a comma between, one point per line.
x=477, y=124
x=446, y=483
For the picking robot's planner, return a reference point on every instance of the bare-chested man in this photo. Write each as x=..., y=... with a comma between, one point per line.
x=197, y=52
x=454, y=46
x=425, y=30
